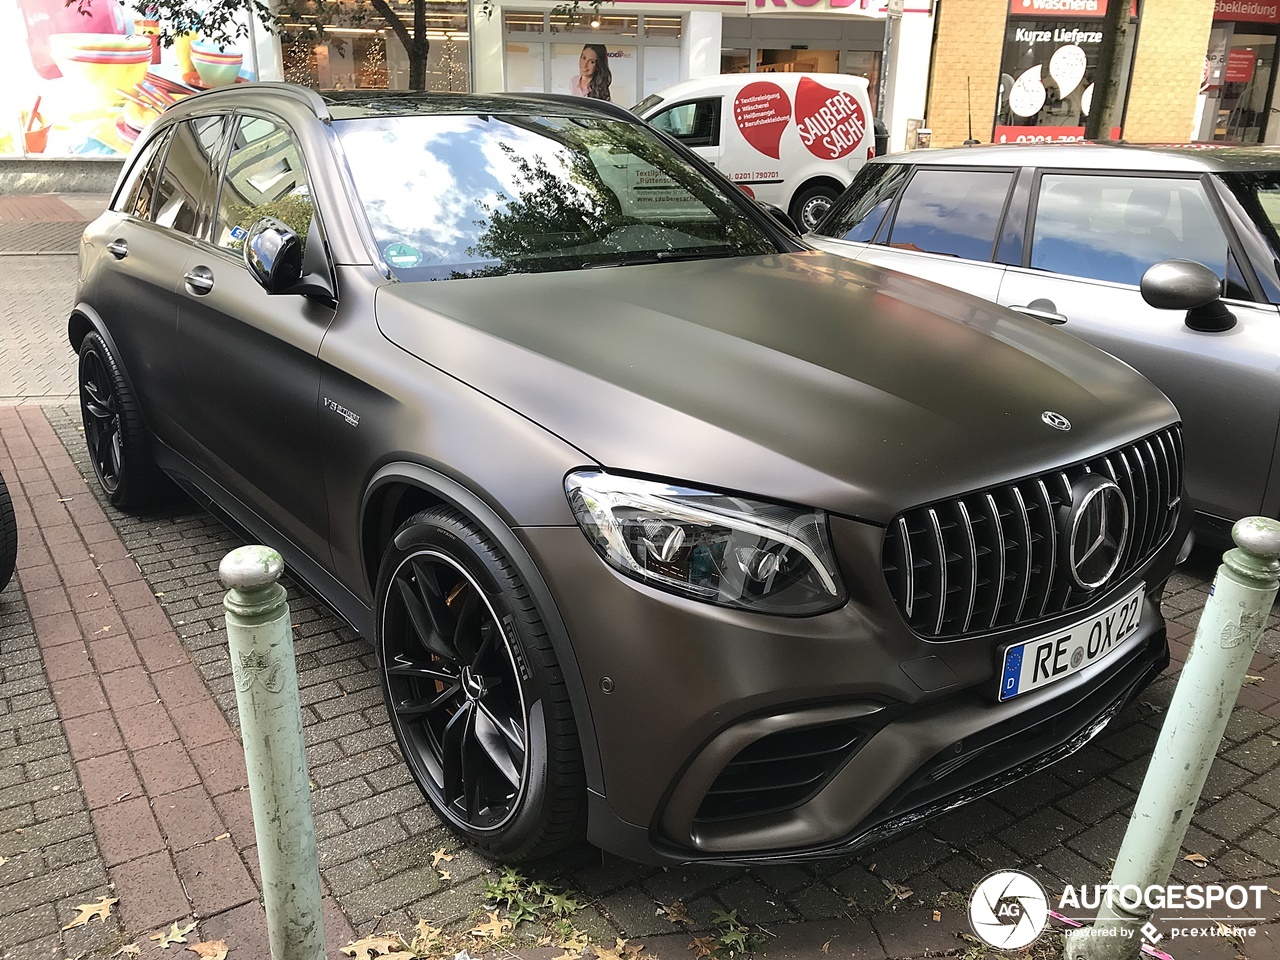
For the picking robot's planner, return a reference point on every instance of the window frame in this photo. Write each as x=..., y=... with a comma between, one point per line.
x=159, y=141
x=890, y=220
x=1206, y=180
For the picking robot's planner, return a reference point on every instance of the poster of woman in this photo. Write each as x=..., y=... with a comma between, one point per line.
x=594, y=77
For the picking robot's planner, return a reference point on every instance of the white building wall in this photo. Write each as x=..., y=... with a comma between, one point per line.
x=700, y=44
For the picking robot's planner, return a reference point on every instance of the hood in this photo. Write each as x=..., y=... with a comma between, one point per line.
x=802, y=377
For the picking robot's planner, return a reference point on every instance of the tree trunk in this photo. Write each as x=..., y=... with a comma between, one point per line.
x=1109, y=83
x=418, y=66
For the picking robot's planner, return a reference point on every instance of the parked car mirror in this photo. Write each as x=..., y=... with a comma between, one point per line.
x=782, y=217
x=274, y=255
x=1190, y=286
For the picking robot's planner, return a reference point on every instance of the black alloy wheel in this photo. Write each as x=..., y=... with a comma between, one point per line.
x=484, y=725
x=113, y=429
x=8, y=536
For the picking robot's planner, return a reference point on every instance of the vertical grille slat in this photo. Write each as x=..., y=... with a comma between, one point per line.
x=989, y=559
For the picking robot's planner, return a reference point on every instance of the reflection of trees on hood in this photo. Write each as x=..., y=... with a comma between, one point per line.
x=553, y=209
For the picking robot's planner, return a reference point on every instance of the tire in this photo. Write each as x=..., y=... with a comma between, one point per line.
x=811, y=204
x=481, y=713
x=8, y=536
x=118, y=441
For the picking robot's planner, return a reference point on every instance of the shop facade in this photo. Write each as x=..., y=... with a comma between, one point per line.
x=1238, y=90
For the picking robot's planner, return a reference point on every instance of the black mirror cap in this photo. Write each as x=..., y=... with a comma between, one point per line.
x=782, y=217
x=1190, y=286
x=273, y=254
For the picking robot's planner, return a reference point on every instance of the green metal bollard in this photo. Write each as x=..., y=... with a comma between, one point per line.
x=266, y=678
x=1226, y=639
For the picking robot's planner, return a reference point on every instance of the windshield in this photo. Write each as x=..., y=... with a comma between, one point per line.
x=451, y=197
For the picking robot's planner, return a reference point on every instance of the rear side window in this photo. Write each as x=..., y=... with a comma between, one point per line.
x=857, y=215
x=695, y=124
x=265, y=178
x=951, y=212
x=1114, y=228
x=139, y=186
x=187, y=168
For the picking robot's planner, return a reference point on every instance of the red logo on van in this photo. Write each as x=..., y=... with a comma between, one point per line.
x=831, y=122
x=762, y=111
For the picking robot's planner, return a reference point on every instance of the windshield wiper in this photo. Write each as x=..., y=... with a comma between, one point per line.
x=661, y=256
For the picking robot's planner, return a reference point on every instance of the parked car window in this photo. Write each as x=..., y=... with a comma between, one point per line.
x=187, y=169
x=857, y=215
x=695, y=124
x=952, y=212
x=1114, y=228
x=265, y=178
x=522, y=194
x=138, y=188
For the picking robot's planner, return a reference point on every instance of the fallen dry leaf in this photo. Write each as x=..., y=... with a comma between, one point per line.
x=92, y=911
x=493, y=928
x=128, y=950
x=621, y=950
x=376, y=946
x=210, y=949
x=896, y=891
x=3, y=861
x=439, y=855
x=1250, y=678
x=175, y=934
x=826, y=947
x=703, y=947
x=1274, y=890
x=676, y=913
x=937, y=916
x=1199, y=859
x=222, y=836
x=445, y=875
x=65, y=499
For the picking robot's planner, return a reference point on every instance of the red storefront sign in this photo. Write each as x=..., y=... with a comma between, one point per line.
x=1247, y=11
x=1043, y=134
x=1066, y=9
x=1240, y=64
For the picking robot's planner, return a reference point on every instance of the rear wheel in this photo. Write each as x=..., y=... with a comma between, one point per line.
x=119, y=444
x=474, y=693
x=811, y=204
x=8, y=536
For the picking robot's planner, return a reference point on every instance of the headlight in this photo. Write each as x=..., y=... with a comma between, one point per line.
x=711, y=546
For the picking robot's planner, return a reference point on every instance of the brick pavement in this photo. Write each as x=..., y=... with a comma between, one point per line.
x=132, y=718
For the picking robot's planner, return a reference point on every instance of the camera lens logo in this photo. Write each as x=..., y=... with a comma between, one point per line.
x=1008, y=910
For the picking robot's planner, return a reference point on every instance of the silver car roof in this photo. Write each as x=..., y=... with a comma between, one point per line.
x=1193, y=158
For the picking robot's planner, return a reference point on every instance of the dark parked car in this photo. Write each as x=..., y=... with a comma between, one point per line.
x=1066, y=232
x=664, y=527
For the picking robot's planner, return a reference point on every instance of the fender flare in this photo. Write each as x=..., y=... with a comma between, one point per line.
x=468, y=503
x=96, y=325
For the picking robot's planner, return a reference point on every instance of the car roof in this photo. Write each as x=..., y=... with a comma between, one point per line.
x=353, y=104
x=1116, y=155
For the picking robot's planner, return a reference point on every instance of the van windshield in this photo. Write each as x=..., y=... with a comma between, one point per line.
x=451, y=197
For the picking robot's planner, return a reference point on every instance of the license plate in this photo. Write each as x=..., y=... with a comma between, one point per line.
x=1038, y=663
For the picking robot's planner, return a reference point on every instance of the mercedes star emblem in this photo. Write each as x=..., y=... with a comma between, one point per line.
x=1093, y=530
x=1056, y=420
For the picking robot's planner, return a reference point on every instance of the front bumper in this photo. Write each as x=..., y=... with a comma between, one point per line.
x=899, y=728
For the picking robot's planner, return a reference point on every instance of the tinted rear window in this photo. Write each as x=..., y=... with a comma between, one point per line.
x=858, y=213
x=952, y=212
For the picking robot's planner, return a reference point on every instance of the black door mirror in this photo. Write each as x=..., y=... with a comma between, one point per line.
x=1190, y=286
x=781, y=216
x=274, y=255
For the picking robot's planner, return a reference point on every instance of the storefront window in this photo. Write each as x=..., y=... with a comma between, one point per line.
x=798, y=61
x=1237, y=89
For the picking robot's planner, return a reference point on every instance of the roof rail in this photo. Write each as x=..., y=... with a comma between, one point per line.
x=304, y=95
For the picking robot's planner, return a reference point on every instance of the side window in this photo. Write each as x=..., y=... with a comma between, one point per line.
x=1114, y=228
x=187, y=167
x=695, y=124
x=264, y=178
x=857, y=215
x=952, y=212
x=139, y=186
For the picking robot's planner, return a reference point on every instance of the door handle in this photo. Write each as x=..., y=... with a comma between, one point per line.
x=118, y=249
x=199, y=280
x=1042, y=309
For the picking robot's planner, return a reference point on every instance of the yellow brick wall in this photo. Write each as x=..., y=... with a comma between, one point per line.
x=969, y=44
x=1172, y=42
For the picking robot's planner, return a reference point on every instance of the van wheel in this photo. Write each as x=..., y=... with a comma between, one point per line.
x=811, y=205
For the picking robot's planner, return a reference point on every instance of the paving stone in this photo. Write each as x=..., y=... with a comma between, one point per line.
x=126, y=830
x=1235, y=816
x=214, y=877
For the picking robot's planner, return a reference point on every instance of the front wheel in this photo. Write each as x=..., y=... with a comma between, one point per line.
x=811, y=204
x=474, y=693
x=8, y=536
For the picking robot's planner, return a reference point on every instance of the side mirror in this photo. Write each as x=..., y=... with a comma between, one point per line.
x=1190, y=286
x=274, y=255
x=781, y=216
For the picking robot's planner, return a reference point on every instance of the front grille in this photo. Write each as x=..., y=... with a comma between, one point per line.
x=990, y=559
x=779, y=771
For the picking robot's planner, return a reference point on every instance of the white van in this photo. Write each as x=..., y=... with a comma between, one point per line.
x=794, y=140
